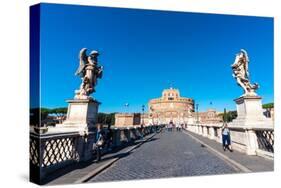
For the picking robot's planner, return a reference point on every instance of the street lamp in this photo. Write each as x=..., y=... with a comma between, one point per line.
x=142, y=107
x=224, y=115
x=197, y=105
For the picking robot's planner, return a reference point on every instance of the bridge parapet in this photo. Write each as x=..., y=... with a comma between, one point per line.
x=252, y=140
x=54, y=150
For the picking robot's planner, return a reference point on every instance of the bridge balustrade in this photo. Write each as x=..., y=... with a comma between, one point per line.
x=52, y=151
x=255, y=140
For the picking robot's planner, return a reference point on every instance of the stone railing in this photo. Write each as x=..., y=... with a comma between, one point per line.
x=265, y=140
x=212, y=131
x=255, y=140
x=52, y=151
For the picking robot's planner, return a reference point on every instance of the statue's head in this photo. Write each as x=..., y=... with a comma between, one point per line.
x=94, y=53
x=244, y=55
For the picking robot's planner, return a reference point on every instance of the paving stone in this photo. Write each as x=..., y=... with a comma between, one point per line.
x=171, y=154
x=168, y=154
x=252, y=162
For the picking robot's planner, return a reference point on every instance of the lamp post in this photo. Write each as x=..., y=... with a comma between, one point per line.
x=151, y=114
x=142, y=108
x=224, y=115
x=197, y=105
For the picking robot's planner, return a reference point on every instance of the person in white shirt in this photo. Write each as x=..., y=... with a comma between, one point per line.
x=226, y=142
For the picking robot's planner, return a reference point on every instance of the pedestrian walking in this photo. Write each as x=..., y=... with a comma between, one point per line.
x=109, y=138
x=170, y=126
x=181, y=127
x=141, y=131
x=226, y=142
x=100, y=141
x=178, y=126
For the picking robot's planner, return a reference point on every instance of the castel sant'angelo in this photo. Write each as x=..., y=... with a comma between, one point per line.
x=171, y=107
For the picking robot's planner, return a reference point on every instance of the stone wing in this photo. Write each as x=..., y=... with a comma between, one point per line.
x=82, y=62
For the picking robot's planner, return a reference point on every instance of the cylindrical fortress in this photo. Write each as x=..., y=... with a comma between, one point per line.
x=171, y=107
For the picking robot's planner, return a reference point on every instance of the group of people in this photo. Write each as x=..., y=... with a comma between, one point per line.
x=171, y=126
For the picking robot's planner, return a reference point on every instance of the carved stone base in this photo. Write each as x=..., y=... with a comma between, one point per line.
x=249, y=111
x=250, y=118
x=82, y=113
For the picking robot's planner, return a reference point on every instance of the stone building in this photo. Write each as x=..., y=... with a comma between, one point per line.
x=170, y=107
x=209, y=117
x=145, y=119
x=127, y=119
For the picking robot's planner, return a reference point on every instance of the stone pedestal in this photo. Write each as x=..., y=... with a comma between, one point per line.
x=81, y=117
x=249, y=111
x=82, y=113
x=250, y=118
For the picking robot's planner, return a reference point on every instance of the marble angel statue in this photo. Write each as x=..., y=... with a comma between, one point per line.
x=240, y=69
x=89, y=71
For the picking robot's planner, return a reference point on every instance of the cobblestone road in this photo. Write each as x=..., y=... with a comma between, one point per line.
x=170, y=154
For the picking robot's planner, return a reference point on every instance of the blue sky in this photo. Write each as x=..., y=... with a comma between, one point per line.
x=143, y=51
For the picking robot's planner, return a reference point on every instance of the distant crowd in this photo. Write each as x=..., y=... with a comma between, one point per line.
x=175, y=126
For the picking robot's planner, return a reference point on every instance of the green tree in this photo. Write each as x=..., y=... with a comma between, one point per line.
x=105, y=118
x=59, y=112
x=228, y=116
x=38, y=114
x=44, y=113
x=268, y=105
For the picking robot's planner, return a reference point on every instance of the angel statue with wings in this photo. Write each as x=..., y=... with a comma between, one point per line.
x=241, y=73
x=89, y=71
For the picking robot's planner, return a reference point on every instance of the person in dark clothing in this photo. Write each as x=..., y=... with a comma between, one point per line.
x=109, y=137
x=100, y=141
x=141, y=131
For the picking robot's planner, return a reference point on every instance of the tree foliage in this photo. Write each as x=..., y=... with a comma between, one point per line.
x=268, y=105
x=228, y=116
x=59, y=111
x=35, y=113
x=40, y=114
x=105, y=118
